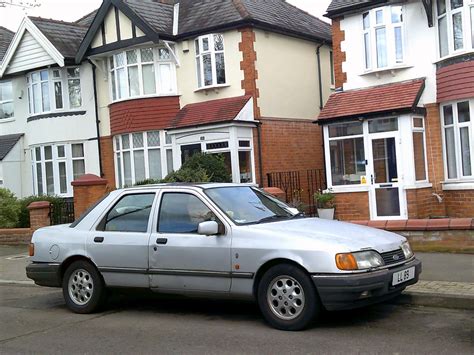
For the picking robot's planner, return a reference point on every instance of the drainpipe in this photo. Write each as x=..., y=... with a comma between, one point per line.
x=320, y=79
x=97, y=121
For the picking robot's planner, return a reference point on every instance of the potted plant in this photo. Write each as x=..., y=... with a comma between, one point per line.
x=325, y=204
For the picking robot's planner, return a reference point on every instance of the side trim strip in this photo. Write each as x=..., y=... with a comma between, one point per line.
x=196, y=273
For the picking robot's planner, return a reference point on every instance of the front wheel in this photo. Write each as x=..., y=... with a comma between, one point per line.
x=287, y=298
x=83, y=288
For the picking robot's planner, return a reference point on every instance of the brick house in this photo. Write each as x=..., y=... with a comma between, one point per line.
x=240, y=78
x=398, y=131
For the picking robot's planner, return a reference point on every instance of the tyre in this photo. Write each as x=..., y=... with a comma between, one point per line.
x=83, y=287
x=287, y=298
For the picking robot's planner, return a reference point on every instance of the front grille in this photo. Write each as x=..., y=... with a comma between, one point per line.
x=393, y=257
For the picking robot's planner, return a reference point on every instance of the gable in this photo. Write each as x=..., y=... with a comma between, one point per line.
x=29, y=54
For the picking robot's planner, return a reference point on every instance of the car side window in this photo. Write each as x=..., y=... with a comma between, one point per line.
x=130, y=214
x=182, y=213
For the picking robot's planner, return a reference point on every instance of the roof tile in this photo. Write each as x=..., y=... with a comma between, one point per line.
x=7, y=143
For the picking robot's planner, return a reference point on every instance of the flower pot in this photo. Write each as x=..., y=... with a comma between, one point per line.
x=326, y=213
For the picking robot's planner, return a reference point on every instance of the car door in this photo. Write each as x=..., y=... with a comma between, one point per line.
x=119, y=243
x=180, y=258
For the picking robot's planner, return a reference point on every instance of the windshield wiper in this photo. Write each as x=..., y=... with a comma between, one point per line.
x=271, y=218
x=298, y=215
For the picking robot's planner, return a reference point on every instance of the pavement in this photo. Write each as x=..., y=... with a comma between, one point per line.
x=447, y=280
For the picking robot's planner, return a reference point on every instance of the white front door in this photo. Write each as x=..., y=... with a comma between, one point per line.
x=387, y=196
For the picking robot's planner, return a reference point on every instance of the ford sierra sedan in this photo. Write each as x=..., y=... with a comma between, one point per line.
x=221, y=240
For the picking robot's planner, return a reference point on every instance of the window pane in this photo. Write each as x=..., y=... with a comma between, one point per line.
x=45, y=97
x=205, y=44
x=117, y=143
x=44, y=75
x=130, y=214
x=367, y=50
x=196, y=46
x=48, y=153
x=396, y=14
x=182, y=213
x=39, y=178
x=78, y=150
x=119, y=170
x=206, y=59
x=121, y=83
x=6, y=110
x=450, y=153
x=463, y=112
x=347, y=161
x=38, y=153
x=164, y=54
x=398, y=45
x=245, y=164
x=448, y=114
x=73, y=72
x=165, y=78
x=154, y=163
x=75, y=99
x=379, y=17
x=114, y=89
x=383, y=125
x=418, y=122
x=457, y=31
x=169, y=160
x=419, y=153
x=137, y=140
x=125, y=141
x=153, y=139
x=49, y=178
x=6, y=91
x=133, y=81
x=366, y=20
x=36, y=98
x=139, y=161
x=218, y=42
x=168, y=139
x=443, y=36
x=62, y=178
x=220, y=68
x=345, y=129
x=198, y=69
x=472, y=26
x=465, y=151
x=78, y=168
x=381, y=42
x=441, y=6
x=61, y=151
x=127, y=168
x=455, y=4
x=147, y=55
x=149, y=83
x=132, y=57
x=58, y=94
x=120, y=59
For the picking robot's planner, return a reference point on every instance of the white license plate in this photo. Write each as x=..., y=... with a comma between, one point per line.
x=403, y=276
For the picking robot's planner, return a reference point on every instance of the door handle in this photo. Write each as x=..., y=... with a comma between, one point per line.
x=98, y=239
x=162, y=241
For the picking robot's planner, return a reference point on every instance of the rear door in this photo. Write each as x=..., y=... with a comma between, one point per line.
x=119, y=245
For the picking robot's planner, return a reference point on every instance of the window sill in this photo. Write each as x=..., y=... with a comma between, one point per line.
x=353, y=188
x=458, y=185
x=418, y=185
x=143, y=97
x=5, y=120
x=213, y=87
x=453, y=55
x=392, y=70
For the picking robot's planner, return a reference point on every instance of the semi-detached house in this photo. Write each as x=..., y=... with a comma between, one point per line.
x=399, y=131
x=241, y=78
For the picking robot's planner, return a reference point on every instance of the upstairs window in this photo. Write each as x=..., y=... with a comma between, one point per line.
x=383, y=37
x=455, y=26
x=142, y=72
x=210, y=63
x=52, y=90
x=6, y=100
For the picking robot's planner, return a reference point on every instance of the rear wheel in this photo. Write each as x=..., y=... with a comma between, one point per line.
x=83, y=287
x=287, y=298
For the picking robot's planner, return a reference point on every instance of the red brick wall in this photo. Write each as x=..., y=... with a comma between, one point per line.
x=352, y=206
x=455, y=81
x=247, y=65
x=459, y=204
x=143, y=114
x=15, y=236
x=107, y=159
x=339, y=56
x=422, y=204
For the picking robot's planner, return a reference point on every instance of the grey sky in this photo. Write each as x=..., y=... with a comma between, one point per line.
x=70, y=10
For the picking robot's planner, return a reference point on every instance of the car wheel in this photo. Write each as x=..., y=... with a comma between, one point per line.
x=287, y=298
x=83, y=287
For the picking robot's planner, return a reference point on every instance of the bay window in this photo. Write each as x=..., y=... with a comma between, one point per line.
x=55, y=166
x=210, y=62
x=383, y=37
x=141, y=156
x=52, y=90
x=6, y=100
x=142, y=72
x=458, y=139
x=455, y=20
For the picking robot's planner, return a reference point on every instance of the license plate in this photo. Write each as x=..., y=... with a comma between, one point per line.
x=403, y=276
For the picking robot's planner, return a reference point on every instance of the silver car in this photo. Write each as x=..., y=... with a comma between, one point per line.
x=221, y=240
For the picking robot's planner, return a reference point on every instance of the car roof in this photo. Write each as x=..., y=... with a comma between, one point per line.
x=202, y=186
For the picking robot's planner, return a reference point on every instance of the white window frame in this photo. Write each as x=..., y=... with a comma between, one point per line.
x=457, y=140
x=371, y=64
x=157, y=63
x=52, y=97
x=2, y=102
x=467, y=27
x=425, y=157
x=200, y=52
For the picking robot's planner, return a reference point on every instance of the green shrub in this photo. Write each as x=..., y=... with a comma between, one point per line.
x=325, y=199
x=9, y=209
x=24, y=216
x=148, y=182
x=187, y=175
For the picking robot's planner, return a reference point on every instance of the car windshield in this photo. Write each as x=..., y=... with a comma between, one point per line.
x=247, y=205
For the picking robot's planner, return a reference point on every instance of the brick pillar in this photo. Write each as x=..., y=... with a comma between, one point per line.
x=339, y=56
x=39, y=214
x=87, y=190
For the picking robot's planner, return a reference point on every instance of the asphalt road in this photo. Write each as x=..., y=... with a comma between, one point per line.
x=35, y=320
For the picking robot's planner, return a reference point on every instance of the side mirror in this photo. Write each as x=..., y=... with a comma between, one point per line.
x=208, y=228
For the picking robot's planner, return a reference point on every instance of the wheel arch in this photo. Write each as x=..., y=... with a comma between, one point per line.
x=69, y=260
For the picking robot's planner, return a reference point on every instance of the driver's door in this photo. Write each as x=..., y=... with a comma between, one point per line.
x=180, y=258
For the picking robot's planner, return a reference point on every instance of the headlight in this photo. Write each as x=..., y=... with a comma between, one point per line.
x=359, y=261
x=407, y=250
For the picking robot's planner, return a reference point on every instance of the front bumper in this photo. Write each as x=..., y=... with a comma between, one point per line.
x=44, y=274
x=347, y=291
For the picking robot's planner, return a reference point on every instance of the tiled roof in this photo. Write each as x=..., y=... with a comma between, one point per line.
x=87, y=19
x=7, y=143
x=377, y=99
x=340, y=6
x=6, y=37
x=66, y=37
x=159, y=15
x=209, y=112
